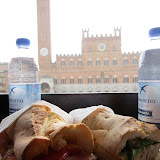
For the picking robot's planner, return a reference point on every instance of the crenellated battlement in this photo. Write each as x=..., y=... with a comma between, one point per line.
x=100, y=36
x=117, y=33
x=68, y=55
x=131, y=53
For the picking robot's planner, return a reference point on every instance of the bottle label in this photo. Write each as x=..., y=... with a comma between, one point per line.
x=149, y=101
x=22, y=95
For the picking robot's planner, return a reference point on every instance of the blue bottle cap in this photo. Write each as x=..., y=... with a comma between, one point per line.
x=154, y=32
x=23, y=43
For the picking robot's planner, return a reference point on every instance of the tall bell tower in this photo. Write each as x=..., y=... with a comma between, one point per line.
x=44, y=37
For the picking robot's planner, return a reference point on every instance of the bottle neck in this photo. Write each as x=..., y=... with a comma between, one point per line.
x=155, y=37
x=23, y=52
x=23, y=46
x=154, y=43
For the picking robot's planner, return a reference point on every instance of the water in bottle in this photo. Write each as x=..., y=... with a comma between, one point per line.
x=149, y=81
x=23, y=78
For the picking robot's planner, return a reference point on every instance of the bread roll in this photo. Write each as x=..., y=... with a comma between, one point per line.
x=112, y=133
x=38, y=129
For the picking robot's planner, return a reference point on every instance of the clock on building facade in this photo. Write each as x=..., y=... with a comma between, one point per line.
x=44, y=51
x=101, y=47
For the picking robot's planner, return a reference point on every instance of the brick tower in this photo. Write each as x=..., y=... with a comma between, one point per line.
x=44, y=37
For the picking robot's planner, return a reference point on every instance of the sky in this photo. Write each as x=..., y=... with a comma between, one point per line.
x=69, y=17
x=18, y=19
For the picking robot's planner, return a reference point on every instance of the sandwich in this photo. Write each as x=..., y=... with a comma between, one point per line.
x=40, y=134
x=118, y=137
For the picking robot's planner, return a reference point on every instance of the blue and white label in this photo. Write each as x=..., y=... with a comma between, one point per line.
x=149, y=101
x=22, y=95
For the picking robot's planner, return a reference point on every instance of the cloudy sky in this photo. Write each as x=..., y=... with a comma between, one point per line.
x=69, y=17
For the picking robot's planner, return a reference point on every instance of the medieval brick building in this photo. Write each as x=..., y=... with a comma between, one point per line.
x=101, y=67
x=3, y=77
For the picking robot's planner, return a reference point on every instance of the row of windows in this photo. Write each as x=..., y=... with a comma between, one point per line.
x=98, y=62
x=98, y=80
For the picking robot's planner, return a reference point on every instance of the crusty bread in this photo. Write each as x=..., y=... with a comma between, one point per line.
x=39, y=128
x=5, y=143
x=111, y=132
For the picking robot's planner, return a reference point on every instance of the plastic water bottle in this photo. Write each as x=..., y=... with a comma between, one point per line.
x=23, y=78
x=149, y=81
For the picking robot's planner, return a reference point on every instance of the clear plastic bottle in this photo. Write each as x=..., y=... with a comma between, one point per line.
x=149, y=81
x=23, y=78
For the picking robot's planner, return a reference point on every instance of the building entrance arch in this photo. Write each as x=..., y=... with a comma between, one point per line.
x=45, y=87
